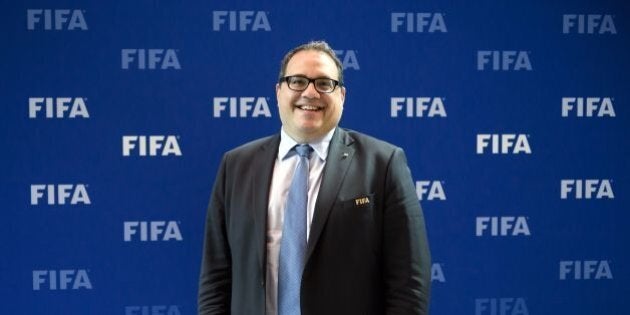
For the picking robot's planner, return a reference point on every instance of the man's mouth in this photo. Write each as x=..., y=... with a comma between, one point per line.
x=311, y=108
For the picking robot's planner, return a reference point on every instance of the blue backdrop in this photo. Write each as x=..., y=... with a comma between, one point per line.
x=513, y=116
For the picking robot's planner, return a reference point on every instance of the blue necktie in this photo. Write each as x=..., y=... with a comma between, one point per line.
x=293, y=243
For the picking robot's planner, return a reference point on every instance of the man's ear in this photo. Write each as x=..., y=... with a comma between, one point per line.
x=343, y=94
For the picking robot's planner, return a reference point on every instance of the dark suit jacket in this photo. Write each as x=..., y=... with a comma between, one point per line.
x=364, y=256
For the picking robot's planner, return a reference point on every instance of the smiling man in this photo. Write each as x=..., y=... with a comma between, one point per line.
x=310, y=111
x=316, y=219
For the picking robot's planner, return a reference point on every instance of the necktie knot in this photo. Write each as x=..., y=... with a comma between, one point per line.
x=304, y=150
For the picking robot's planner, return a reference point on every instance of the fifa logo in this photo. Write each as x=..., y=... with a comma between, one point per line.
x=430, y=190
x=151, y=231
x=60, y=194
x=152, y=310
x=586, y=189
x=240, y=21
x=418, y=22
x=417, y=107
x=57, y=20
x=588, y=106
x=69, y=279
x=507, y=60
x=241, y=107
x=503, y=143
x=156, y=145
x=585, y=270
x=588, y=24
x=502, y=226
x=501, y=306
x=348, y=59
x=57, y=107
x=151, y=59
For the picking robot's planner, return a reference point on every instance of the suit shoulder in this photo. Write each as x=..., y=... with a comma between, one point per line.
x=253, y=147
x=370, y=142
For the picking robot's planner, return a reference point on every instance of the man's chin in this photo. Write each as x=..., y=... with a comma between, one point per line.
x=308, y=126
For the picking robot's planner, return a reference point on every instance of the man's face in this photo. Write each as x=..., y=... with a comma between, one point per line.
x=309, y=114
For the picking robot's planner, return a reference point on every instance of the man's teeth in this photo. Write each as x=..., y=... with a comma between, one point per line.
x=308, y=107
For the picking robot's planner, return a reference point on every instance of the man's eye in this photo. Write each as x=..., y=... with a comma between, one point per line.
x=298, y=81
x=326, y=84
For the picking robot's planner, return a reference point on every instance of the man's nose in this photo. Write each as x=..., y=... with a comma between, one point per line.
x=310, y=91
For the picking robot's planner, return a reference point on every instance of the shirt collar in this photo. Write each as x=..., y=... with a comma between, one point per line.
x=319, y=146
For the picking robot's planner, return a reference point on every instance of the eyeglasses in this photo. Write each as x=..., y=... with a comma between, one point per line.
x=300, y=83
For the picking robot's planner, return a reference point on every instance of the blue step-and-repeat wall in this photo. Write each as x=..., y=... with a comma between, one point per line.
x=513, y=115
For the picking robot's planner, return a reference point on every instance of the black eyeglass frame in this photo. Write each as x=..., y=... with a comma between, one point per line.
x=288, y=77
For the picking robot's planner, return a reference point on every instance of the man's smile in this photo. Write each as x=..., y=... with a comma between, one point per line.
x=311, y=108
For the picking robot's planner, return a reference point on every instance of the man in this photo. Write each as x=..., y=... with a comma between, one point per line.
x=356, y=243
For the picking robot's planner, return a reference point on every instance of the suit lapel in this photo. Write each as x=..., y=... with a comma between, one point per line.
x=264, y=162
x=340, y=155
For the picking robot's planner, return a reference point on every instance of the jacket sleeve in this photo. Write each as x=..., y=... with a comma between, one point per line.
x=406, y=256
x=215, y=281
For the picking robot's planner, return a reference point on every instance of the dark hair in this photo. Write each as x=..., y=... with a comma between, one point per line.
x=321, y=46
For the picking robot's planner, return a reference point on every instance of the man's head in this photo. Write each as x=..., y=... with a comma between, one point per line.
x=310, y=109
